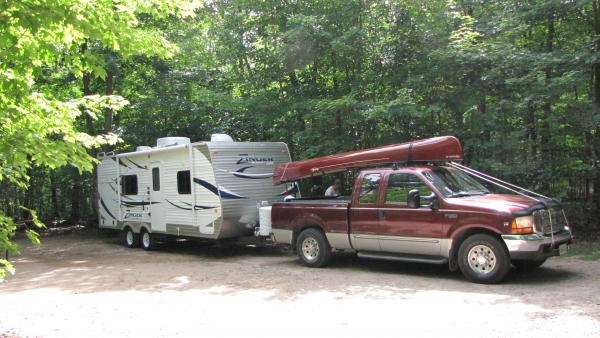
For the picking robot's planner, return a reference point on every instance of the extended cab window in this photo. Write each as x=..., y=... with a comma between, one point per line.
x=369, y=189
x=400, y=184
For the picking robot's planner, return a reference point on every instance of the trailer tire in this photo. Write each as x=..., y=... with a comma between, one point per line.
x=483, y=259
x=130, y=238
x=313, y=249
x=147, y=240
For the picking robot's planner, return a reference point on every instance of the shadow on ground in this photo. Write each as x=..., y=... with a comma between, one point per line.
x=93, y=262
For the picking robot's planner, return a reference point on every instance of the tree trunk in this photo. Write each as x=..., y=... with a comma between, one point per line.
x=76, y=195
x=484, y=133
x=593, y=134
x=338, y=125
x=547, y=107
x=54, y=197
x=87, y=78
x=108, y=115
x=28, y=201
x=531, y=136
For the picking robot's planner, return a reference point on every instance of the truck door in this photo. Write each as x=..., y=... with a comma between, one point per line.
x=364, y=212
x=405, y=229
x=157, y=199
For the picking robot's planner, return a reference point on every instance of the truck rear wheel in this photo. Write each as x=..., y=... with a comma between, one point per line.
x=130, y=238
x=483, y=259
x=313, y=249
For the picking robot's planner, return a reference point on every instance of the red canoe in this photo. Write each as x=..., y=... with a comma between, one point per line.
x=443, y=148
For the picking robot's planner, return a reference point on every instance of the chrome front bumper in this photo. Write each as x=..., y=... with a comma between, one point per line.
x=534, y=246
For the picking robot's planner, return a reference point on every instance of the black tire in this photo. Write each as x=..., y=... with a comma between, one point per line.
x=313, y=249
x=528, y=265
x=147, y=240
x=130, y=238
x=480, y=252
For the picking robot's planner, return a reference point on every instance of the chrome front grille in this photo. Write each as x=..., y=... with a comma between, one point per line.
x=541, y=220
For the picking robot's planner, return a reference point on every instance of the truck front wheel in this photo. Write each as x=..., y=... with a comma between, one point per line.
x=483, y=259
x=313, y=249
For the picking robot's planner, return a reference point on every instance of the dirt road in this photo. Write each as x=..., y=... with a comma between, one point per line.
x=89, y=285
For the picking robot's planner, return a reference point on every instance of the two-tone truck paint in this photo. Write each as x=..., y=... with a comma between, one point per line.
x=427, y=213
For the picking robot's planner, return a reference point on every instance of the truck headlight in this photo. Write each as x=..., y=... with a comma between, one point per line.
x=522, y=225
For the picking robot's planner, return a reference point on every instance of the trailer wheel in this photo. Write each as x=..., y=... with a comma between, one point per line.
x=313, y=249
x=483, y=259
x=130, y=238
x=148, y=241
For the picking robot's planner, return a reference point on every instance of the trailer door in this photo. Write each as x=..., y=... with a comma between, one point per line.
x=157, y=199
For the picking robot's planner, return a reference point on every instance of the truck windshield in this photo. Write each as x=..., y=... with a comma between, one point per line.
x=454, y=183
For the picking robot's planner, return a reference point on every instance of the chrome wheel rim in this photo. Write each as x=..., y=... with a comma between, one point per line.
x=482, y=259
x=310, y=249
x=129, y=237
x=146, y=239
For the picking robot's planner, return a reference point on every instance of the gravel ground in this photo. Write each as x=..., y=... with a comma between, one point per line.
x=87, y=284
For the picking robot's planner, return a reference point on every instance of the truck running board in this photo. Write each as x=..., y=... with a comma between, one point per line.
x=403, y=257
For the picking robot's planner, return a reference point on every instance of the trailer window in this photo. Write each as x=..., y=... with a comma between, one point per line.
x=400, y=184
x=155, y=179
x=183, y=182
x=129, y=185
x=369, y=189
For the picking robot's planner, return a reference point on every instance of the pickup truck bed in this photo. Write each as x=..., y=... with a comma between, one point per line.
x=331, y=214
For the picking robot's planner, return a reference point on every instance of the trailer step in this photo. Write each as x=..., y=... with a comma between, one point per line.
x=403, y=257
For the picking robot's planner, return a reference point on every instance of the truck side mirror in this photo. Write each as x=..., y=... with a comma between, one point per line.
x=414, y=199
x=433, y=200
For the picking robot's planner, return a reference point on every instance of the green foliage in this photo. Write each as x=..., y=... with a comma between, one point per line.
x=517, y=82
x=38, y=123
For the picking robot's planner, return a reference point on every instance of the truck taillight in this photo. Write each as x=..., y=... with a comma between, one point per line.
x=522, y=225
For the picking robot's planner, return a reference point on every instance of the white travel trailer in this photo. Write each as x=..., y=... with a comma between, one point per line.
x=204, y=189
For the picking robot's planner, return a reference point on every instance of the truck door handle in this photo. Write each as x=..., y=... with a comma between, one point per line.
x=382, y=215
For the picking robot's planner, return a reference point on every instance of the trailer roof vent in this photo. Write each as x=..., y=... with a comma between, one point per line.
x=142, y=148
x=171, y=141
x=220, y=138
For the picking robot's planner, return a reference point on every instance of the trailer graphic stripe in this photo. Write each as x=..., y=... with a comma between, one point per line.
x=240, y=173
x=106, y=209
x=177, y=206
x=120, y=162
x=137, y=165
x=198, y=206
x=202, y=207
x=137, y=204
x=224, y=193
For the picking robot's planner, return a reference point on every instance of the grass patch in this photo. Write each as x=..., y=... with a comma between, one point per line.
x=587, y=251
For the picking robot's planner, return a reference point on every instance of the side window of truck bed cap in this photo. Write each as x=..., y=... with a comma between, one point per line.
x=369, y=189
x=398, y=186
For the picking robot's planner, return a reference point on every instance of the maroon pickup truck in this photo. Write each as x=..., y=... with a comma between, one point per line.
x=420, y=213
